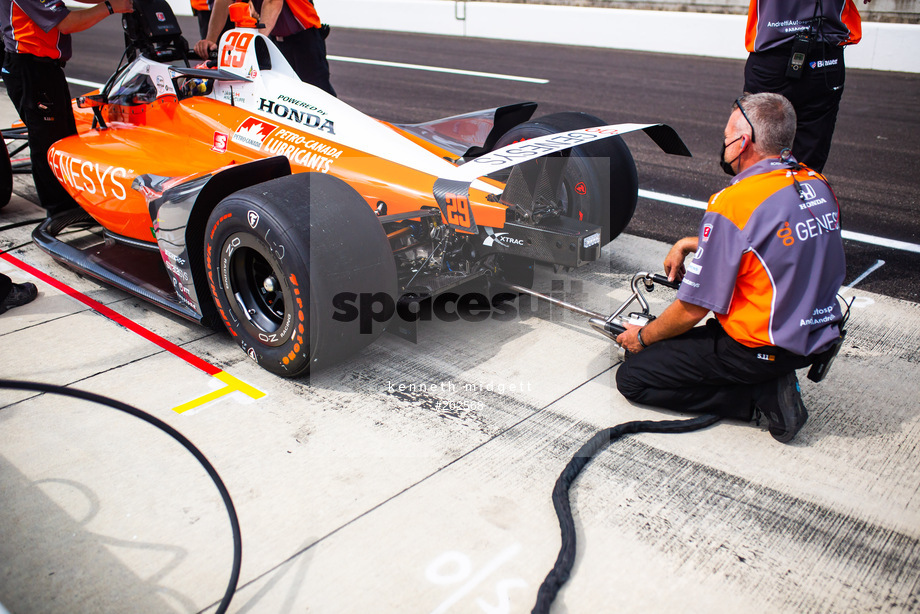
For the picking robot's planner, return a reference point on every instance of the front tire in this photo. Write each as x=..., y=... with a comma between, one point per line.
x=278, y=254
x=600, y=185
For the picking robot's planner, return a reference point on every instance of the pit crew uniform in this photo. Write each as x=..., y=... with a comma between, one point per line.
x=33, y=71
x=298, y=35
x=769, y=264
x=201, y=9
x=772, y=28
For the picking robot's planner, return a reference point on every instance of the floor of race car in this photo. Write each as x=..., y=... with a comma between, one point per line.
x=417, y=477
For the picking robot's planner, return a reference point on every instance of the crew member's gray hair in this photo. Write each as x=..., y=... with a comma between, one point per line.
x=773, y=120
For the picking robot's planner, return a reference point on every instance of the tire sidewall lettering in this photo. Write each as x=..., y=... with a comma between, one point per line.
x=228, y=235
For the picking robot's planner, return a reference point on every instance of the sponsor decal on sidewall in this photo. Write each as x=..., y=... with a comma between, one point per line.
x=90, y=177
x=260, y=135
x=220, y=142
x=296, y=115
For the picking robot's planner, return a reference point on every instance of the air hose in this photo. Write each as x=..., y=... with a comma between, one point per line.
x=188, y=445
x=561, y=571
x=35, y=222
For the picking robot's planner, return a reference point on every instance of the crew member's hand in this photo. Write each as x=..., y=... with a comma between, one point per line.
x=122, y=6
x=674, y=263
x=203, y=48
x=629, y=340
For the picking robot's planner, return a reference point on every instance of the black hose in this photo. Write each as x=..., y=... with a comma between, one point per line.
x=25, y=223
x=137, y=413
x=566, y=559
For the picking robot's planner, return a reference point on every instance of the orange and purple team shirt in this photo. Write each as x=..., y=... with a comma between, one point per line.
x=296, y=16
x=30, y=26
x=770, y=262
x=772, y=23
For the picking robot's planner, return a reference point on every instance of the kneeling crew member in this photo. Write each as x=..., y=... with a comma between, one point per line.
x=768, y=262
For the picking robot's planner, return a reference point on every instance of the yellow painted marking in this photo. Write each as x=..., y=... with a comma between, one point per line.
x=232, y=385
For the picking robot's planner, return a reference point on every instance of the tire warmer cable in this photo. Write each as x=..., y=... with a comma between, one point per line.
x=566, y=559
x=188, y=445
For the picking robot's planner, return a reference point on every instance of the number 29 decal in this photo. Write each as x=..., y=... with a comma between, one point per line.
x=234, y=52
x=453, y=200
x=458, y=210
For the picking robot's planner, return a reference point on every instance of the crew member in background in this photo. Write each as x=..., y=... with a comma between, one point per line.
x=36, y=38
x=201, y=9
x=768, y=261
x=295, y=28
x=796, y=49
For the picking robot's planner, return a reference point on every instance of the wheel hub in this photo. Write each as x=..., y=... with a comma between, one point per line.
x=253, y=282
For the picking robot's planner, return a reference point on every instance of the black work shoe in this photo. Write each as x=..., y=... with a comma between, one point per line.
x=781, y=404
x=20, y=294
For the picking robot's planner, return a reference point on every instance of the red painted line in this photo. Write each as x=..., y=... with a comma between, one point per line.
x=113, y=315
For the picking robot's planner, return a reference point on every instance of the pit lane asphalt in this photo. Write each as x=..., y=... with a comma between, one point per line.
x=361, y=491
x=873, y=162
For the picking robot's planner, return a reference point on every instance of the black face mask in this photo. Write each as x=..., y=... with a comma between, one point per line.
x=727, y=166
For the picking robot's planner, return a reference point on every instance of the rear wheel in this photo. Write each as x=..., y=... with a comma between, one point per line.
x=278, y=255
x=600, y=184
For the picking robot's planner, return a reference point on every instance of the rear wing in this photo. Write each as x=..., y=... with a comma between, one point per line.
x=664, y=136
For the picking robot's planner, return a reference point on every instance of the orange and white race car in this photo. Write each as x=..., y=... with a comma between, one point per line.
x=240, y=195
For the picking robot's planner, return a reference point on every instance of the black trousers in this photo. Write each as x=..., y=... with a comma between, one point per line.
x=6, y=284
x=306, y=53
x=203, y=17
x=815, y=95
x=703, y=371
x=39, y=92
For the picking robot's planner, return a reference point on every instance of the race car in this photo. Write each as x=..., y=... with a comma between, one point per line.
x=236, y=195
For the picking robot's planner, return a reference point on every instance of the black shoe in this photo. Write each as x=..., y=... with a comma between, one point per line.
x=20, y=294
x=780, y=402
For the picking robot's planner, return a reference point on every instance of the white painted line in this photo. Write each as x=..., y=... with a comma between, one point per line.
x=675, y=200
x=452, y=71
x=85, y=83
x=878, y=264
x=847, y=234
x=339, y=58
x=881, y=241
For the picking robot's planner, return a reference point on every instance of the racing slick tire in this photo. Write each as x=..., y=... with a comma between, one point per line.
x=600, y=184
x=277, y=255
x=6, y=177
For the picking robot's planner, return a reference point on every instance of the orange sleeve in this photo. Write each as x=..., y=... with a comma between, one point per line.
x=305, y=13
x=853, y=22
x=750, y=34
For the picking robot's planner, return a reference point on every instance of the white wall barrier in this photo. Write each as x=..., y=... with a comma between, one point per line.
x=884, y=46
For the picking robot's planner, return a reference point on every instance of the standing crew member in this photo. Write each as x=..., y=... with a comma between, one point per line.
x=293, y=25
x=201, y=9
x=768, y=262
x=796, y=49
x=36, y=38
